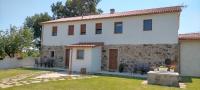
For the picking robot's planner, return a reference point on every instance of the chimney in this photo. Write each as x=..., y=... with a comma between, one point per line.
x=112, y=11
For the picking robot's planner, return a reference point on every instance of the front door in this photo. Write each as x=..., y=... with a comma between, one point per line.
x=113, y=55
x=67, y=55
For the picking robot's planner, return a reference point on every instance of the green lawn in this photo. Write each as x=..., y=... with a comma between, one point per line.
x=101, y=83
x=13, y=72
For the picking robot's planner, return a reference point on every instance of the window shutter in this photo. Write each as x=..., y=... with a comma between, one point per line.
x=71, y=30
x=83, y=29
x=54, y=31
x=98, y=26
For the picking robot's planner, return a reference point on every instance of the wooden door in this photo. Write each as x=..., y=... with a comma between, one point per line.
x=113, y=55
x=67, y=55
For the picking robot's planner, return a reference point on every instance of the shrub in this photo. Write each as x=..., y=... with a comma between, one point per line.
x=121, y=67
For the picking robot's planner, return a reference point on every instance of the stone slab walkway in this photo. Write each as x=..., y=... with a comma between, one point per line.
x=26, y=79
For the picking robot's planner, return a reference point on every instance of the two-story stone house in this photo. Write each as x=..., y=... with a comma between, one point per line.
x=103, y=42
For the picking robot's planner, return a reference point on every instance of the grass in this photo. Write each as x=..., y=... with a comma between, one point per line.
x=13, y=72
x=104, y=83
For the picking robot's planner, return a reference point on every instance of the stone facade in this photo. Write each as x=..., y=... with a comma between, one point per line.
x=58, y=54
x=131, y=55
x=151, y=54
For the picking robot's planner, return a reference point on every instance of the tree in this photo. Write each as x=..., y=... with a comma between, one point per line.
x=15, y=40
x=33, y=22
x=75, y=8
x=2, y=45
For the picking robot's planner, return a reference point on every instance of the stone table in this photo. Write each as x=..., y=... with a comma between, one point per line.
x=163, y=78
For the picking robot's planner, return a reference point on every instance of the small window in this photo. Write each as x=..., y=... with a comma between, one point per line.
x=147, y=25
x=118, y=27
x=83, y=29
x=98, y=28
x=52, y=53
x=80, y=54
x=71, y=30
x=54, y=31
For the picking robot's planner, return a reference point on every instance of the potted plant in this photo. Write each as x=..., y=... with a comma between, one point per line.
x=163, y=69
x=172, y=68
x=121, y=67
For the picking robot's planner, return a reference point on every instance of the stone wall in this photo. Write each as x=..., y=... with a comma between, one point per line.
x=151, y=54
x=7, y=62
x=58, y=54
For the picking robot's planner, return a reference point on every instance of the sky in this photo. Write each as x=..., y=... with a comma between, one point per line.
x=14, y=12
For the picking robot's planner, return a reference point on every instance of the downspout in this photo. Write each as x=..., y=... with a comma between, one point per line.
x=70, y=65
x=179, y=46
x=41, y=42
x=179, y=54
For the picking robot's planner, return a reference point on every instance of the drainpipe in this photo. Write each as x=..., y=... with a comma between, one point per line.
x=179, y=54
x=70, y=60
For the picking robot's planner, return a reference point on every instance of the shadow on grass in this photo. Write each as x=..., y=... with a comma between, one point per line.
x=118, y=76
x=34, y=69
x=186, y=79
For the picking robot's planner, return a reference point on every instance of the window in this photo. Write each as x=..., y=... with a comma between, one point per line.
x=118, y=27
x=98, y=28
x=71, y=30
x=80, y=54
x=147, y=25
x=54, y=31
x=83, y=29
x=52, y=53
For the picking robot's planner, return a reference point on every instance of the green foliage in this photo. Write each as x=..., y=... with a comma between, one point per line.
x=33, y=22
x=2, y=45
x=30, y=53
x=75, y=8
x=15, y=40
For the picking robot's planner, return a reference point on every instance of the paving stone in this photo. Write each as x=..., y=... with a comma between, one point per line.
x=6, y=86
x=35, y=81
x=144, y=82
x=1, y=85
x=46, y=80
x=182, y=85
x=18, y=84
x=23, y=82
x=61, y=79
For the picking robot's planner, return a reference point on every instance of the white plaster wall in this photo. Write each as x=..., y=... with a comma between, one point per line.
x=96, y=59
x=91, y=61
x=165, y=31
x=190, y=58
x=82, y=63
x=15, y=63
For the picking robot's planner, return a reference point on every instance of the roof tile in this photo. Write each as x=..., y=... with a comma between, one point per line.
x=86, y=44
x=120, y=14
x=189, y=36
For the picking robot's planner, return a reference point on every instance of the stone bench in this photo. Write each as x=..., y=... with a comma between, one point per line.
x=163, y=78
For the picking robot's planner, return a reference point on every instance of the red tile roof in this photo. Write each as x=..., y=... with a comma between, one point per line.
x=189, y=36
x=120, y=14
x=86, y=44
